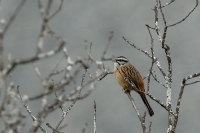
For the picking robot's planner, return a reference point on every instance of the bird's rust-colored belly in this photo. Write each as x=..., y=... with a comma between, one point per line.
x=125, y=85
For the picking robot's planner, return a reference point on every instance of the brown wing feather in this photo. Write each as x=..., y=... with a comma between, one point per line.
x=133, y=76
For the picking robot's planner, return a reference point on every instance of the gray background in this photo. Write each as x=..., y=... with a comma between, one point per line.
x=93, y=20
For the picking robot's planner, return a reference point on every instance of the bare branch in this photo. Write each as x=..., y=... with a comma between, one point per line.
x=161, y=11
x=38, y=72
x=12, y=17
x=17, y=62
x=146, y=53
x=55, y=71
x=90, y=57
x=167, y=4
x=67, y=111
x=137, y=111
x=29, y=111
x=161, y=104
x=54, y=130
x=152, y=59
x=95, y=109
x=154, y=76
x=3, y=32
x=104, y=74
x=150, y=27
x=60, y=105
x=192, y=83
x=60, y=86
x=89, y=90
x=49, y=4
x=45, y=16
x=59, y=8
x=54, y=35
x=150, y=127
x=157, y=28
x=197, y=2
x=40, y=8
x=180, y=97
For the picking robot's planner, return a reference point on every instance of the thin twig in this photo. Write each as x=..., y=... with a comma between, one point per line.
x=104, y=74
x=146, y=53
x=12, y=17
x=90, y=57
x=197, y=2
x=192, y=83
x=29, y=111
x=161, y=104
x=154, y=76
x=183, y=83
x=59, y=8
x=72, y=104
x=40, y=56
x=150, y=127
x=167, y=4
x=60, y=86
x=54, y=130
x=137, y=111
x=3, y=32
x=152, y=60
x=38, y=72
x=95, y=109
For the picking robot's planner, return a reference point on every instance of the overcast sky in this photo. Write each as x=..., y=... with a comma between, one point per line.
x=92, y=20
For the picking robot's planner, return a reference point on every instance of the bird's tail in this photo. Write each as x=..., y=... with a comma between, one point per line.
x=150, y=110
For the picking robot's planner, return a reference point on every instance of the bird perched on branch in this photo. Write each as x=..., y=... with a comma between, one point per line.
x=130, y=79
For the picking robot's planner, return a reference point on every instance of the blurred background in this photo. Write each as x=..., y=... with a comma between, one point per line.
x=92, y=20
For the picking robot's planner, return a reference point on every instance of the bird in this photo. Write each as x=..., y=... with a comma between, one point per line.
x=130, y=79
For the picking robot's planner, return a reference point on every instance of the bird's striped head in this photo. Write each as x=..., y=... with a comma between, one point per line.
x=120, y=61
